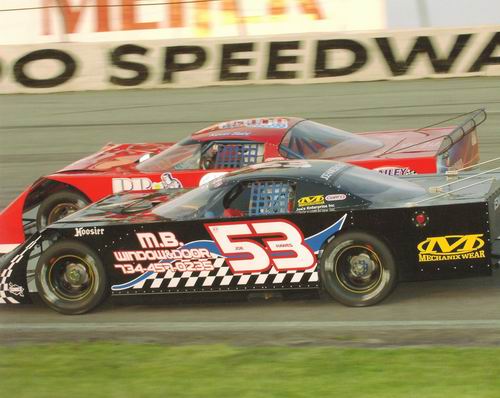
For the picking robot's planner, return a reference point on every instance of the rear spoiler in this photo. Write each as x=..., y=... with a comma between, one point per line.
x=474, y=119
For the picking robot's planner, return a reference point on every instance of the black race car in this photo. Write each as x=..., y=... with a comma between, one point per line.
x=273, y=226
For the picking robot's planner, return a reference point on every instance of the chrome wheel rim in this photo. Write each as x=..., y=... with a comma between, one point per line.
x=358, y=268
x=71, y=277
x=62, y=210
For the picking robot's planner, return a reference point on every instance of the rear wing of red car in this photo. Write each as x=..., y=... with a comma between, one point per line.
x=459, y=147
x=468, y=126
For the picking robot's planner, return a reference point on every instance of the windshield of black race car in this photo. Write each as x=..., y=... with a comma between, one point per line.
x=195, y=203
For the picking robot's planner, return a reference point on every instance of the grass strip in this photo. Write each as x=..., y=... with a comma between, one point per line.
x=148, y=370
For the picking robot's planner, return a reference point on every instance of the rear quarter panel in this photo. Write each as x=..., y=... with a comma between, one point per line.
x=455, y=242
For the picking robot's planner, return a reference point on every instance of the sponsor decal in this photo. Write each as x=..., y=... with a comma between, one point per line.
x=451, y=247
x=131, y=184
x=335, y=197
x=80, y=231
x=168, y=181
x=16, y=290
x=267, y=248
x=395, y=170
x=162, y=252
x=144, y=183
x=316, y=208
x=284, y=246
x=269, y=123
x=194, y=265
x=311, y=200
x=316, y=203
x=332, y=170
x=115, y=20
x=230, y=134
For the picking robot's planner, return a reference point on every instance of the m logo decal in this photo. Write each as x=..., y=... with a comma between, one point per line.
x=451, y=247
x=311, y=200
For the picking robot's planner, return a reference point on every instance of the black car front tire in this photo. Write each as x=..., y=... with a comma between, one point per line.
x=70, y=278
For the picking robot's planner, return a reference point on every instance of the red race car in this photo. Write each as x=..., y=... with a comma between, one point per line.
x=226, y=146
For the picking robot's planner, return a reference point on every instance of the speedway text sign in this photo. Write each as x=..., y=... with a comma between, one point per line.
x=299, y=59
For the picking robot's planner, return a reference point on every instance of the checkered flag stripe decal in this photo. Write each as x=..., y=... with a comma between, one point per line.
x=222, y=278
x=5, y=295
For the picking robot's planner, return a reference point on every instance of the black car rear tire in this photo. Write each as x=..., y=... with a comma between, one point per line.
x=58, y=206
x=358, y=269
x=70, y=278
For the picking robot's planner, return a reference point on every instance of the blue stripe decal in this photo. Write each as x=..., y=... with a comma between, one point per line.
x=316, y=241
x=133, y=282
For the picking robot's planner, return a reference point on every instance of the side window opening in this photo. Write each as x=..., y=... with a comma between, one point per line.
x=232, y=155
x=270, y=197
x=258, y=198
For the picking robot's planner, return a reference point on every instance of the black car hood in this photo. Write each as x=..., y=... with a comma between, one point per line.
x=120, y=208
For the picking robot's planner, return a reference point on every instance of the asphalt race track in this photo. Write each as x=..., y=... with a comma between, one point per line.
x=41, y=133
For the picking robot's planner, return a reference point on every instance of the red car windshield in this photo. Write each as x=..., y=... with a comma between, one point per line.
x=311, y=140
x=185, y=155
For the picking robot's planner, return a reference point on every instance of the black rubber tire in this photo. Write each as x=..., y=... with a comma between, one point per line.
x=50, y=203
x=334, y=267
x=51, y=292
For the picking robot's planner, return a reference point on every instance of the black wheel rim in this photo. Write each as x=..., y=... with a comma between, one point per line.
x=71, y=277
x=358, y=268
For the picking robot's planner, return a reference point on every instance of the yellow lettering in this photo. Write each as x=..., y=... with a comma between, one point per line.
x=451, y=244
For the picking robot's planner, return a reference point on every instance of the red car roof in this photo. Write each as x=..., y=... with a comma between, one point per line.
x=271, y=129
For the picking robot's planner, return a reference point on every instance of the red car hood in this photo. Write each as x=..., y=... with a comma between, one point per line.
x=116, y=156
x=399, y=143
